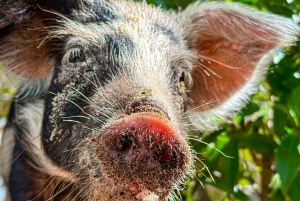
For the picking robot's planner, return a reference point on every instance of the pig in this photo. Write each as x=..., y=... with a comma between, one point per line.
x=107, y=90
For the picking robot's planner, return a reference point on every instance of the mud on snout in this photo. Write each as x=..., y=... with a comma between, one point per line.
x=143, y=155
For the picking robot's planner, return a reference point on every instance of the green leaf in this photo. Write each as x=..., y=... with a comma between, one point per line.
x=259, y=143
x=239, y=194
x=278, y=7
x=293, y=191
x=250, y=109
x=228, y=167
x=277, y=195
x=294, y=101
x=221, y=142
x=279, y=121
x=287, y=161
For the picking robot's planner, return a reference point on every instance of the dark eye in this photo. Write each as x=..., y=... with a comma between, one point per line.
x=182, y=77
x=76, y=55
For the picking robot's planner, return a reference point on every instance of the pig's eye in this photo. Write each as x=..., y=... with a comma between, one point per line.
x=75, y=55
x=182, y=77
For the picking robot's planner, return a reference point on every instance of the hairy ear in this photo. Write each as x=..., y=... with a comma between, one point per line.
x=23, y=28
x=21, y=52
x=233, y=47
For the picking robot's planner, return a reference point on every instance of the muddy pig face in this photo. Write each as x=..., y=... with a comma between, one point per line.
x=116, y=102
x=110, y=87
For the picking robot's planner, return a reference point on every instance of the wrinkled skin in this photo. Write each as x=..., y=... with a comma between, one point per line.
x=106, y=90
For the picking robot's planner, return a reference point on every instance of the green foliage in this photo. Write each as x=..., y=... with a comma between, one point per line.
x=6, y=93
x=257, y=157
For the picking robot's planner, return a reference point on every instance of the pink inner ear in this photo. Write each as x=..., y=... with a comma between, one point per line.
x=22, y=51
x=229, y=45
x=222, y=69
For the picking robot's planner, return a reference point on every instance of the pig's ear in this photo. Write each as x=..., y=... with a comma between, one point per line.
x=12, y=11
x=233, y=47
x=22, y=31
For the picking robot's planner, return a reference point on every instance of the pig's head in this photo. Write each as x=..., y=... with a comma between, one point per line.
x=106, y=88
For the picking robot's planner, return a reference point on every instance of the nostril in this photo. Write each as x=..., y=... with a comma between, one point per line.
x=165, y=156
x=168, y=157
x=123, y=143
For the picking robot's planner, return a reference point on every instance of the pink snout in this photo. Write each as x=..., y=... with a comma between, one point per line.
x=143, y=149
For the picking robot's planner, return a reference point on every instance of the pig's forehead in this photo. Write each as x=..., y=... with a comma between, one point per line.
x=119, y=9
x=135, y=21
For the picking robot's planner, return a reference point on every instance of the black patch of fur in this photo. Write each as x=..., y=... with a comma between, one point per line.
x=61, y=6
x=103, y=13
x=24, y=182
x=15, y=11
x=116, y=44
x=27, y=183
x=164, y=30
x=69, y=82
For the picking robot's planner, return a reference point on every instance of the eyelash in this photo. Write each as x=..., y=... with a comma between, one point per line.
x=74, y=55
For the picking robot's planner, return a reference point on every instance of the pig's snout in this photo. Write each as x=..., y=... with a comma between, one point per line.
x=146, y=150
x=143, y=136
